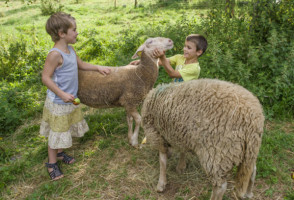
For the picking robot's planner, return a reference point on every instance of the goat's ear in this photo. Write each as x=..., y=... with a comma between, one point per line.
x=139, y=51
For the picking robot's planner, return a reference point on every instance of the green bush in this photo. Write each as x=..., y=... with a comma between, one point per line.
x=20, y=67
x=20, y=61
x=48, y=7
x=19, y=101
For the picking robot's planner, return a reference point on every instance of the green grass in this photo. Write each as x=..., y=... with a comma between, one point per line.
x=107, y=166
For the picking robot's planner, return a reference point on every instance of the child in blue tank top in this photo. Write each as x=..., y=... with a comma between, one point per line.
x=62, y=120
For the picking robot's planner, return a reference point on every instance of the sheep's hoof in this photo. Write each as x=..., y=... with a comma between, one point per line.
x=181, y=168
x=160, y=187
x=248, y=195
x=134, y=144
x=134, y=141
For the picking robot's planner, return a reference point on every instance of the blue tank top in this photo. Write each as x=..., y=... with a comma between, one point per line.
x=65, y=76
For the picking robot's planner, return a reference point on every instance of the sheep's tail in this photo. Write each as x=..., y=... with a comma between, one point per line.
x=247, y=169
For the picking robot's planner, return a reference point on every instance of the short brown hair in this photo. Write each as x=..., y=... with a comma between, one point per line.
x=59, y=21
x=199, y=41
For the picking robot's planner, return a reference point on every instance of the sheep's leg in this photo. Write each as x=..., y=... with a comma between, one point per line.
x=219, y=191
x=162, y=176
x=182, y=163
x=169, y=152
x=133, y=136
x=245, y=179
x=130, y=127
x=249, y=193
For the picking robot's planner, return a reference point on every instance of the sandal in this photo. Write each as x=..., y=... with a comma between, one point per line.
x=66, y=158
x=55, y=172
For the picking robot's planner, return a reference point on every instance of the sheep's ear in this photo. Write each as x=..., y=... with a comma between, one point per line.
x=139, y=51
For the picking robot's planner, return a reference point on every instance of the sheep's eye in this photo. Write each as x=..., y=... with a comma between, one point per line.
x=149, y=42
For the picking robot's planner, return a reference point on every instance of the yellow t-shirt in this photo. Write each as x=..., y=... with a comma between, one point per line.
x=187, y=71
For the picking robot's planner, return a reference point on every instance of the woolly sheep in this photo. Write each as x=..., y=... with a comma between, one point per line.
x=125, y=86
x=222, y=123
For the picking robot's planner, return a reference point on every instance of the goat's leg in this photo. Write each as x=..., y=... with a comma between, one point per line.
x=133, y=136
x=219, y=191
x=162, y=175
x=182, y=163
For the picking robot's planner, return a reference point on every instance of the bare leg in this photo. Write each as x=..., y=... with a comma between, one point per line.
x=162, y=176
x=52, y=155
x=218, y=191
x=249, y=193
x=182, y=163
x=52, y=158
x=61, y=157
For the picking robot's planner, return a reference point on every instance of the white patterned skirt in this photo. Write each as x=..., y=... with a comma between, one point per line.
x=61, y=122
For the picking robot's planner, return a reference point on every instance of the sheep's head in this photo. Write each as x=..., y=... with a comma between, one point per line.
x=154, y=43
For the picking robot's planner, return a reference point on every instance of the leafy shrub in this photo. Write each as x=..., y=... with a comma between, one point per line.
x=20, y=61
x=18, y=102
x=48, y=7
x=259, y=60
x=20, y=66
x=268, y=15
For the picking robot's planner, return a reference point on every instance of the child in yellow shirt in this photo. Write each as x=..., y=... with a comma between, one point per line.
x=187, y=65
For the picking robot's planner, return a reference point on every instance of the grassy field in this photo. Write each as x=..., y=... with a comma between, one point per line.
x=107, y=167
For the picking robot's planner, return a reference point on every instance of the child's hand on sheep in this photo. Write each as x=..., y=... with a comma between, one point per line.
x=158, y=53
x=135, y=62
x=104, y=70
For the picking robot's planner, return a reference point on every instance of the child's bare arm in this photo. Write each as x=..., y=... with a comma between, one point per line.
x=166, y=64
x=90, y=67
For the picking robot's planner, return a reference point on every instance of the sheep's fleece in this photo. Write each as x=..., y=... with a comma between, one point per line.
x=220, y=122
